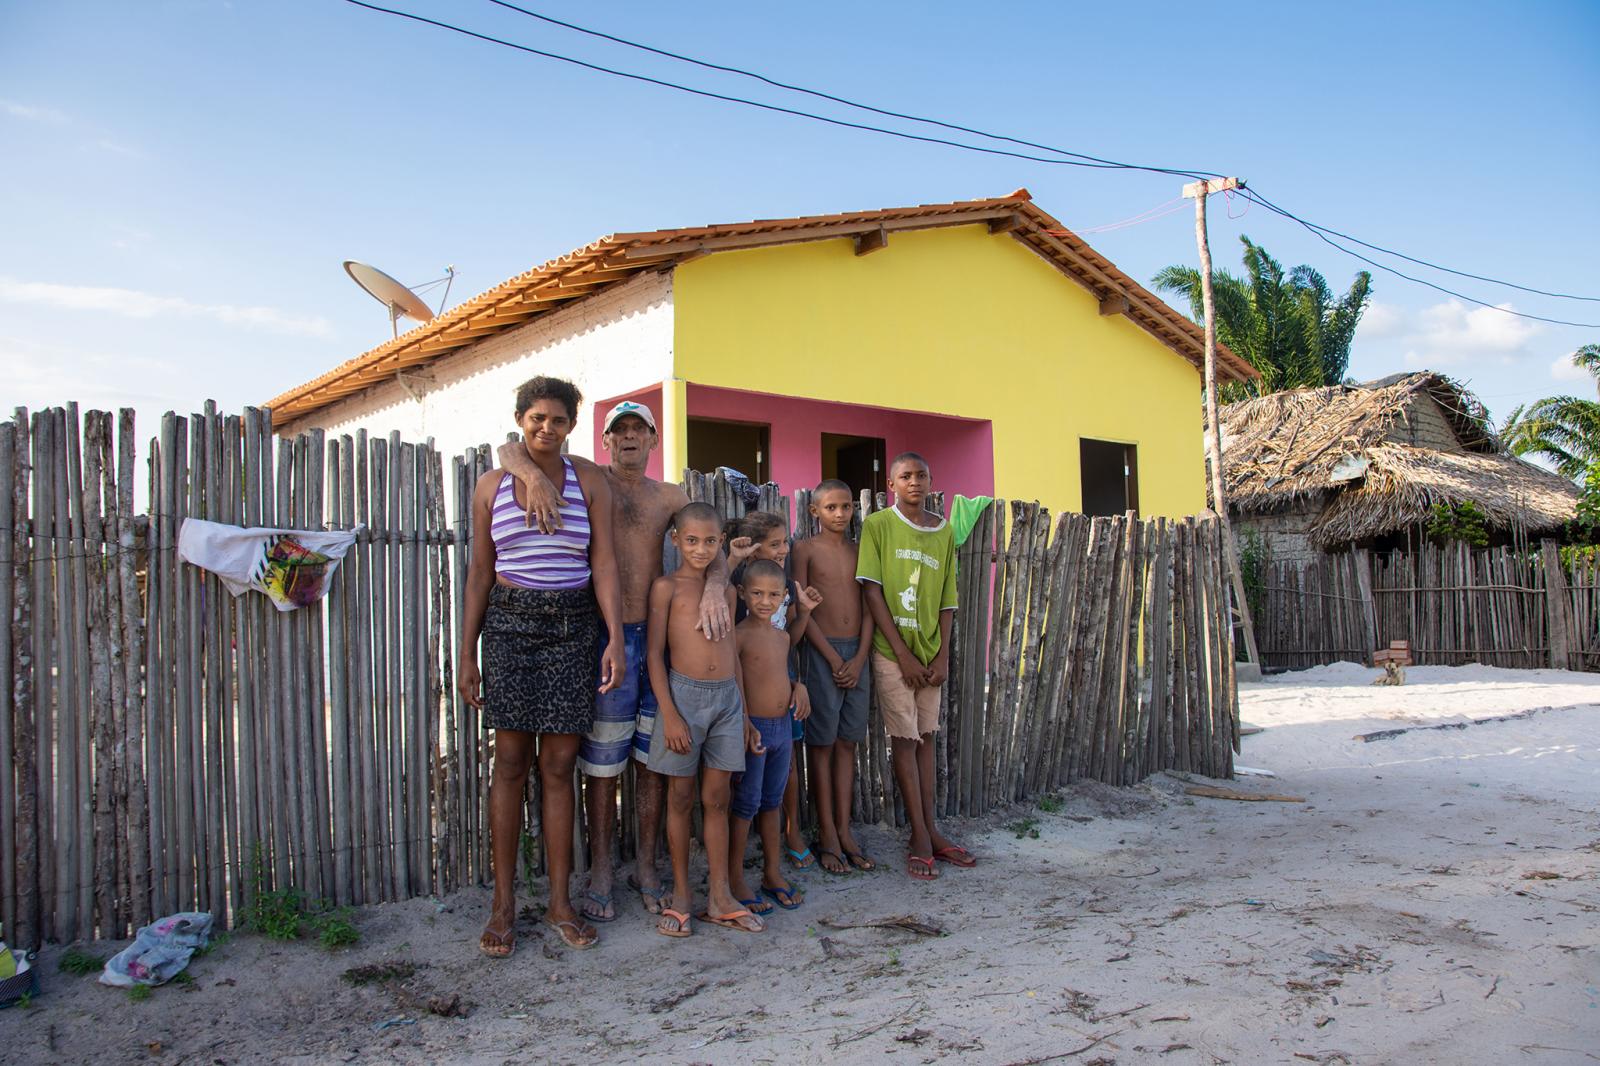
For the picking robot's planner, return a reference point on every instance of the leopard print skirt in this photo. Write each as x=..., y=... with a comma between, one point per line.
x=541, y=660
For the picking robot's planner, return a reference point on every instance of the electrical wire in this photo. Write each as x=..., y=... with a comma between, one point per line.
x=820, y=95
x=708, y=94
x=1321, y=235
x=1075, y=159
x=1264, y=202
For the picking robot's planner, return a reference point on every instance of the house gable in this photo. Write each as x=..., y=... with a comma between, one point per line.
x=957, y=321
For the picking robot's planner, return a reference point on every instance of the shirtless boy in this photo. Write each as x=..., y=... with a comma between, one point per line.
x=701, y=726
x=642, y=509
x=833, y=665
x=758, y=792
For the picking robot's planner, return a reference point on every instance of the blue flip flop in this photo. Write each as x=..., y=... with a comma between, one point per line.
x=602, y=902
x=802, y=859
x=783, y=897
x=756, y=906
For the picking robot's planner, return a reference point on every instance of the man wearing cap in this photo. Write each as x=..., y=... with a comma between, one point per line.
x=642, y=509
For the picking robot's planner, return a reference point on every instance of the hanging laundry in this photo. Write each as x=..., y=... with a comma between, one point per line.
x=292, y=566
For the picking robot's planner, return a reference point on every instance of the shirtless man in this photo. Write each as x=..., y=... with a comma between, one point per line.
x=641, y=510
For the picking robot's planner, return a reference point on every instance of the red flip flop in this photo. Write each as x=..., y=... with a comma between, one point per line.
x=920, y=868
x=956, y=855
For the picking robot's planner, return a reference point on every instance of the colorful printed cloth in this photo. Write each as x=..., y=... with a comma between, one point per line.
x=159, y=951
x=292, y=566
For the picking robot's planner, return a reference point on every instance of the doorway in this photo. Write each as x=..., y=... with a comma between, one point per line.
x=857, y=461
x=1110, y=477
x=742, y=446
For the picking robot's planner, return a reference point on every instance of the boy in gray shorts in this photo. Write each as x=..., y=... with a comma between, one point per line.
x=833, y=665
x=700, y=726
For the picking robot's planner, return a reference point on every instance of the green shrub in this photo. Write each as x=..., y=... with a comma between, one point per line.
x=1464, y=521
x=78, y=963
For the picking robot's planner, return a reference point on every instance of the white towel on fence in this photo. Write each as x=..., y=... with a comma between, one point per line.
x=292, y=566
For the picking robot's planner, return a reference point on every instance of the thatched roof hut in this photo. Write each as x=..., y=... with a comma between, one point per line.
x=1314, y=469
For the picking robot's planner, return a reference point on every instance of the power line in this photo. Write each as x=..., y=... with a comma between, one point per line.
x=1318, y=232
x=1077, y=159
x=1264, y=202
x=708, y=94
x=819, y=94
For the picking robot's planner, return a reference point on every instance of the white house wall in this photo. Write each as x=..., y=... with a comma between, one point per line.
x=615, y=342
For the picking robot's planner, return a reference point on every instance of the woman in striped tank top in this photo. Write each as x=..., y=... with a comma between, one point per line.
x=532, y=597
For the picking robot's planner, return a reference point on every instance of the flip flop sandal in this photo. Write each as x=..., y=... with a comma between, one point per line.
x=648, y=896
x=504, y=942
x=735, y=920
x=802, y=860
x=860, y=861
x=783, y=897
x=920, y=868
x=956, y=855
x=757, y=906
x=679, y=922
x=601, y=902
x=821, y=851
x=571, y=934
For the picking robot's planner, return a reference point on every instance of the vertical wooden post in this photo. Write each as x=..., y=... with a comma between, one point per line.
x=1199, y=191
x=1558, y=608
x=10, y=474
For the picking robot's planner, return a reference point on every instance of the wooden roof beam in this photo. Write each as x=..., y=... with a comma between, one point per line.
x=1006, y=225
x=1114, y=303
x=872, y=241
x=797, y=234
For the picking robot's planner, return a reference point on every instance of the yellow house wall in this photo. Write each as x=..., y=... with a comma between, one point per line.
x=952, y=321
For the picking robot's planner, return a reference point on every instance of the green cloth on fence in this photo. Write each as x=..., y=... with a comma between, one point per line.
x=964, y=514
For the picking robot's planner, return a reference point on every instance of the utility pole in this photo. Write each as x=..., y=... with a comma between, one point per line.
x=1199, y=191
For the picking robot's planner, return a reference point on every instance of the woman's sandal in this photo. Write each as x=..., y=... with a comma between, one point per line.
x=571, y=934
x=673, y=923
x=498, y=945
x=920, y=868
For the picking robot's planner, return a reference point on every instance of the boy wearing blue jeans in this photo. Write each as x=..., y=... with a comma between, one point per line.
x=768, y=693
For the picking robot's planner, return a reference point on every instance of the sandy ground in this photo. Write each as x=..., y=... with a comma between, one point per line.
x=1433, y=900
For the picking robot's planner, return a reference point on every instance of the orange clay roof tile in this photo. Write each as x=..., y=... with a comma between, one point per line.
x=619, y=256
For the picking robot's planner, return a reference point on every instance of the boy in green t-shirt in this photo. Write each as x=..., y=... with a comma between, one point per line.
x=907, y=565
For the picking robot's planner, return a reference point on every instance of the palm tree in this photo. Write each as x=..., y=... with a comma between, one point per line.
x=1565, y=430
x=1290, y=326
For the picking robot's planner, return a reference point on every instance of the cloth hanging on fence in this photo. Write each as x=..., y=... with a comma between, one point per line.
x=964, y=514
x=292, y=566
x=159, y=951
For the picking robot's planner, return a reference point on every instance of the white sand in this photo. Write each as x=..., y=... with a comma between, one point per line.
x=1389, y=918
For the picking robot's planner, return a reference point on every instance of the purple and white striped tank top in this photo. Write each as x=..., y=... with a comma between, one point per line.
x=530, y=559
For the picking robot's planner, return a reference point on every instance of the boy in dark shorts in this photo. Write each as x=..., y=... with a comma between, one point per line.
x=759, y=791
x=907, y=565
x=700, y=726
x=833, y=666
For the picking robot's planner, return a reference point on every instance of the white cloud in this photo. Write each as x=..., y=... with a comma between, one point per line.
x=106, y=144
x=1563, y=370
x=1451, y=333
x=30, y=112
x=131, y=303
x=1382, y=320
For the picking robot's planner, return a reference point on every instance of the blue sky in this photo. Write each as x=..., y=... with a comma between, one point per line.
x=181, y=180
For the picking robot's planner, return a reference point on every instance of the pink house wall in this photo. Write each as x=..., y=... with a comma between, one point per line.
x=960, y=451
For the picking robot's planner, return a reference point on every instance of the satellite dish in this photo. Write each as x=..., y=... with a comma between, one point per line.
x=389, y=292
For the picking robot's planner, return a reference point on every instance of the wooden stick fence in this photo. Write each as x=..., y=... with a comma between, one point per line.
x=166, y=746
x=1453, y=603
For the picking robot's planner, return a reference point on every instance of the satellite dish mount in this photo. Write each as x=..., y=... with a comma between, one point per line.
x=400, y=301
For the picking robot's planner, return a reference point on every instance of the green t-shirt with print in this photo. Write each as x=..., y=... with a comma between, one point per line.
x=916, y=566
